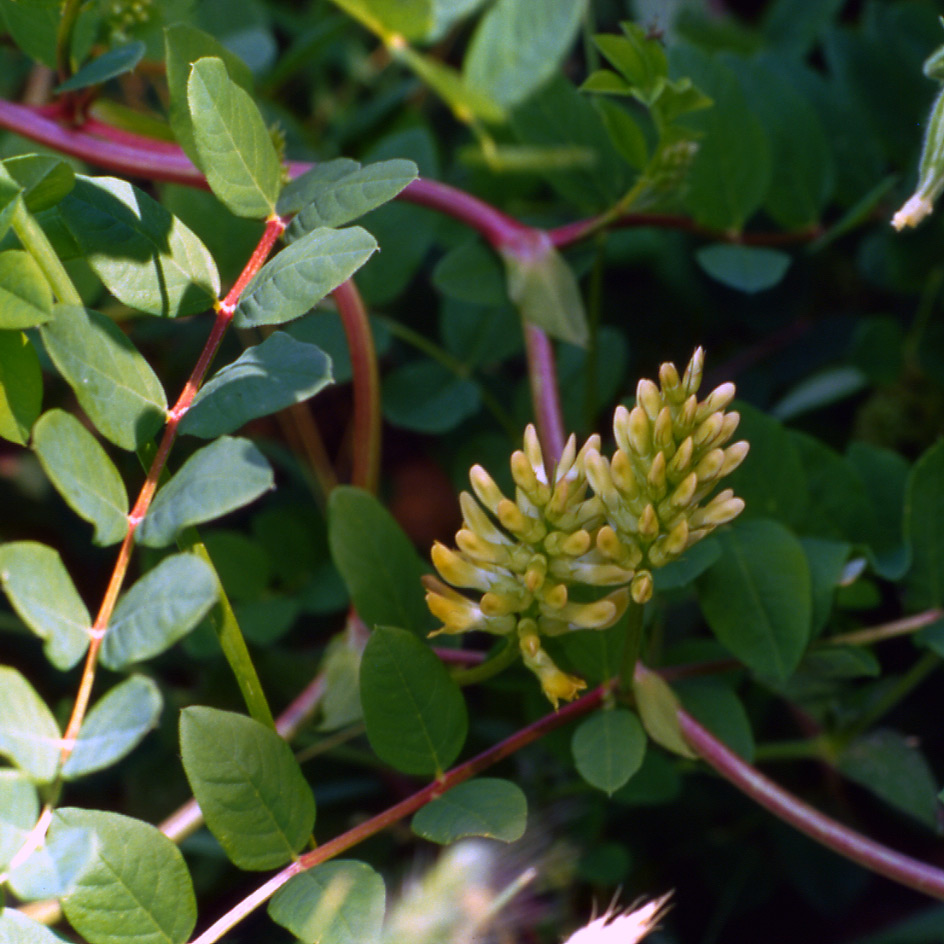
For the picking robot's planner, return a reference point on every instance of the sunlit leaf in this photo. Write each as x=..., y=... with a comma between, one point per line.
x=117, y=61
x=25, y=297
x=29, y=735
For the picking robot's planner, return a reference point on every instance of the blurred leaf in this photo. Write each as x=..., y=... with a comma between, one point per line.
x=113, y=383
x=682, y=572
x=608, y=748
x=17, y=928
x=144, y=256
x=117, y=61
x=412, y=19
x=115, y=726
x=262, y=380
x=793, y=26
x=827, y=560
x=217, y=479
x=53, y=870
x=486, y=806
x=757, y=597
x=426, y=397
x=638, y=58
x=33, y=27
x=471, y=272
x=819, y=390
x=716, y=707
x=302, y=274
x=377, y=561
x=19, y=811
x=249, y=787
x=744, y=268
x=45, y=179
x=339, y=902
x=137, y=873
x=234, y=146
x=29, y=735
x=658, y=709
x=21, y=387
x=83, y=474
x=41, y=592
x=25, y=296
x=341, y=704
x=414, y=712
x=924, y=512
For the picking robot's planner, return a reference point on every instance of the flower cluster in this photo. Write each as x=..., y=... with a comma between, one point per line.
x=593, y=522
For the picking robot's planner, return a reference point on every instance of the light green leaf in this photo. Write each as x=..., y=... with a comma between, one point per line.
x=19, y=811
x=414, y=712
x=138, y=889
x=115, y=726
x=117, y=61
x=658, y=709
x=53, y=869
x=162, y=607
x=924, y=512
x=41, y=592
x=21, y=386
x=142, y=253
x=249, y=786
x=17, y=928
x=487, y=806
x=609, y=748
x=412, y=19
x=747, y=269
x=235, y=148
x=757, y=597
x=302, y=274
x=378, y=562
x=113, y=383
x=45, y=179
x=83, y=474
x=10, y=193
x=519, y=45
x=426, y=397
x=217, y=479
x=25, y=296
x=337, y=193
x=339, y=902
x=263, y=379
x=29, y=735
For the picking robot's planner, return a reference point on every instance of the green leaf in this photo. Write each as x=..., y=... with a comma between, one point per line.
x=117, y=61
x=41, y=592
x=658, y=709
x=215, y=480
x=45, y=179
x=716, y=707
x=162, y=607
x=19, y=811
x=10, y=193
x=757, y=598
x=519, y=45
x=471, y=272
x=544, y=289
x=29, y=735
x=747, y=269
x=17, y=928
x=115, y=726
x=378, y=562
x=412, y=19
x=262, y=380
x=340, y=668
x=924, y=512
x=337, y=193
x=414, y=712
x=639, y=58
x=113, y=383
x=53, y=870
x=21, y=386
x=486, y=806
x=426, y=397
x=339, y=902
x=827, y=560
x=142, y=253
x=683, y=571
x=25, y=296
x=249, y=787
x=34, y=27
x=302, y=274
x=609, y=748
x=234, y=146
x=138, y=889
x=83, y=474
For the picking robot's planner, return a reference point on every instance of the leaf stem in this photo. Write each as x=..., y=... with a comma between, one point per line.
x=67, y=21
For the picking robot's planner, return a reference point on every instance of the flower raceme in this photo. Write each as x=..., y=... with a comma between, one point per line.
x=593, y=523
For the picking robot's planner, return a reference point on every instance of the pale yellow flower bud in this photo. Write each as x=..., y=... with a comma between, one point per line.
x=641, y=587
x=649, y=398
x=691, y=381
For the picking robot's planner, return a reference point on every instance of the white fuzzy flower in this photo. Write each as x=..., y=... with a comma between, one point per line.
x=621, y=927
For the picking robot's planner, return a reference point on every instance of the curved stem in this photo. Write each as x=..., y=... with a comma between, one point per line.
x=542, y=374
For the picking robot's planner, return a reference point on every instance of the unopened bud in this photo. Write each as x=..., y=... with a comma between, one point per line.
x=663, y=436
x=488, y=493
x=930, y=171
x=734, y=455
x=656, y=477
x=641, y=587
x=648, y=523
x=670, y=383
x=691, y=381
x=649, y=398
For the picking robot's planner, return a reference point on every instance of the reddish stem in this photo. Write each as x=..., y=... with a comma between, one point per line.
x=545, y=395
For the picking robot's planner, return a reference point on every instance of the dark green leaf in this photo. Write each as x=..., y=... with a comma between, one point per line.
x=793, y=26
x=217, y=479
x=144, y=256
x=53, y=870
x=29, y=735
x=249, y=786
x=113, y=383
x=747, y=269
x=819, y=390
x=137, y=891
x=608, y=748
x=45, y=179
x=682, y=572
x=377, y=561
x=42, y=594
x=34, y=27
x=414, y=712
x=162, y=607
x=21, y=386
x=426, y=397
x=25, y=297
x=83, y=474
x=715, y=706
x=924, y=512
x=117, y=61
x=827, y=560
x=115, y=726
x=262, y=380
x=339, y=902
x=19, y=811
x=486, y=806
x=472, y=273
x=757, y=597
x=302, y=274
x=235, y=148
